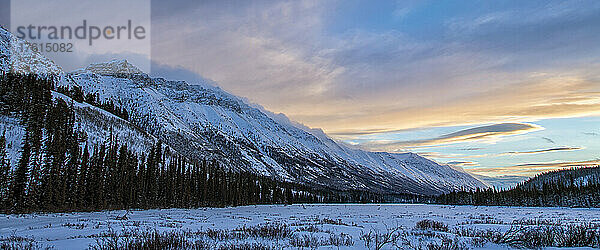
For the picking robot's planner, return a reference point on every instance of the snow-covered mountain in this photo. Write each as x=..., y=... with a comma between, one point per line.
x=576, y=176
x=18, y=56
x=201, y=121
x=502, y=182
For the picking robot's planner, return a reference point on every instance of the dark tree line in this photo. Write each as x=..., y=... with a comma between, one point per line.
x=576, y=187
x=59, y=171
x=77, y=94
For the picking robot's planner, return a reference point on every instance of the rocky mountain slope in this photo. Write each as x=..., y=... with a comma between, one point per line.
x=204, y=122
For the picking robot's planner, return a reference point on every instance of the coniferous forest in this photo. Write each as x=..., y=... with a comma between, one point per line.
x=575, y=187
x=59, y=170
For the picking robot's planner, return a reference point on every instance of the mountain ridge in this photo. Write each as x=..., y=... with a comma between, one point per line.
x=209, y=123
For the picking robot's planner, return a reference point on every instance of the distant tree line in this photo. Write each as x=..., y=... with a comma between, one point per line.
x=575, y=187
x=59, y=171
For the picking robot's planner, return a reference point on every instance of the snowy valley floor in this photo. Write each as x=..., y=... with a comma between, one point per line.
x=310, y=226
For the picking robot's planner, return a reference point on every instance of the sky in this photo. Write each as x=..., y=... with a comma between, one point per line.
x=495, y=87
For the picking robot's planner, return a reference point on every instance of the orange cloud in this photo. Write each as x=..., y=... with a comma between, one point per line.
x=482, y=133
x=530, y=100
x=531, y=169
x=463, y=163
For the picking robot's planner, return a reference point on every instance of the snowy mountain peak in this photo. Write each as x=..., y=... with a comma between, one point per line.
x=213, y=124
x=202, y=122
x=114, y=67
x=17, y=55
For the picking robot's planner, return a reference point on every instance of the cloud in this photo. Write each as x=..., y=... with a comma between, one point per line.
x=528, y=30
x=255, y=50
x=463, y=163
x=438, y=155
x=530, y=169
x=469, y=149
x=539, y=151
x=548, y=140
x=479, y=133
x=542, y=151
x=403, y=8
x=591, y=133
x=482, y=133
x=528, y=100
x=178, y=73
x=5, y=14
x=520, y=63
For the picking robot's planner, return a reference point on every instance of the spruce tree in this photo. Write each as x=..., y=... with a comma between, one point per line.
x=4, y=170
x=19, y=179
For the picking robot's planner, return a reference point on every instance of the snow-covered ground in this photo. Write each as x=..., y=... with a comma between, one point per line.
x=347, y=226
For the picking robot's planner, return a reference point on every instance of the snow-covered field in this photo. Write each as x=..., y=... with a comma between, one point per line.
x=277, y=226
